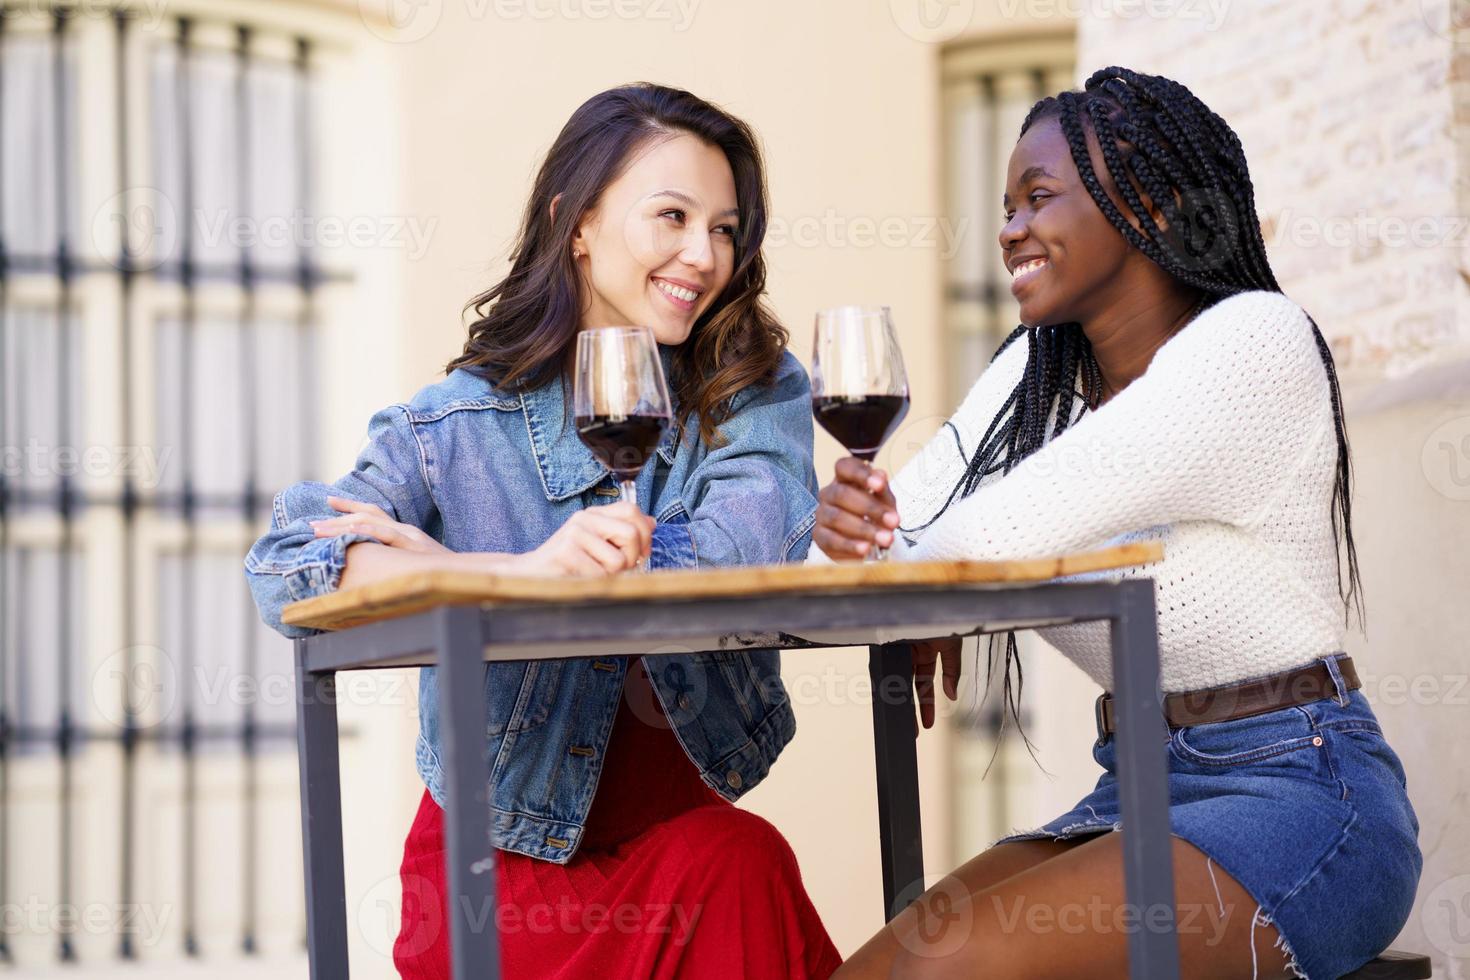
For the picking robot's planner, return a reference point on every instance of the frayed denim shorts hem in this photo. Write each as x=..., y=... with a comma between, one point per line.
x=1305, y=807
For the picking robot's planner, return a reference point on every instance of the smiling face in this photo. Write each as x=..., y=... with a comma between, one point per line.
x=658, y=248
x=1066, y=259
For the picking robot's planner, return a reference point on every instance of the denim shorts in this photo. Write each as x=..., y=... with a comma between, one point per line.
x=1306, y=807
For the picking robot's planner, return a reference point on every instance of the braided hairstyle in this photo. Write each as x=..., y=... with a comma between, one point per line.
x=1156, y=135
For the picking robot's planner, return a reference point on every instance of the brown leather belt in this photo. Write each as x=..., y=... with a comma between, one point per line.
x=1301, y=685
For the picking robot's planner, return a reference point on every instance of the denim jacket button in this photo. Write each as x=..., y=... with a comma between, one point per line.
x=733, y=780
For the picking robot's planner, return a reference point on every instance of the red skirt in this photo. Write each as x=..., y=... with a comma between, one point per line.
x=670, y=880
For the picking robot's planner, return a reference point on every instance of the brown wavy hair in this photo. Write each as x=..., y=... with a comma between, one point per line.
x=526, y=325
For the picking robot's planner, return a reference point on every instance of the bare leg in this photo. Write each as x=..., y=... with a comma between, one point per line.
x=1067, y=916
x=988, y=868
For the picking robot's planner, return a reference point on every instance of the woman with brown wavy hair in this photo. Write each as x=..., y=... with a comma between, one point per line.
x=620, y=853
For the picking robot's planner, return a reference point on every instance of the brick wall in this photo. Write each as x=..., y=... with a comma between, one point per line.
x=1347, y=115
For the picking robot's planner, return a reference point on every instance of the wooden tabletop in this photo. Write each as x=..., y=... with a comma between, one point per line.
x=424, y=590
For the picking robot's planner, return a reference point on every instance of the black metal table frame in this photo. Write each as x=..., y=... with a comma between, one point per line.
x=459, y=639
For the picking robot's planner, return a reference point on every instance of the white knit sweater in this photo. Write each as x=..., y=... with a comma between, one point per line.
x=1224, y=449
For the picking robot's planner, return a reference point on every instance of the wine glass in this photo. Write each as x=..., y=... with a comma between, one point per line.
x=620, y=400
x=860, y=393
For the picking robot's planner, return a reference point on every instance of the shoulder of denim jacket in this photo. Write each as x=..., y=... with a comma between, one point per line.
x=791, y=373
x=789, y=381
x=460, y=391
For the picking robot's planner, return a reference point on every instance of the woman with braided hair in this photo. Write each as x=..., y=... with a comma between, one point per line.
x=1161, y=386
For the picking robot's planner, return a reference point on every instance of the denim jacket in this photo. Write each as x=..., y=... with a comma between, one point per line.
x=482, y=469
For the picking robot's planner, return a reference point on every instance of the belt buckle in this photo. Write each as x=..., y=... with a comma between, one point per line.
x=1097, y=710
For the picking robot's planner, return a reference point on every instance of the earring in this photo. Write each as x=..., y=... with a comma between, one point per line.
x=577, y=253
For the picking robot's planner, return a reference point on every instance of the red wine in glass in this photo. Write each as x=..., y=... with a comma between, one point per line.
x=860, y=393
x=622, y=444
x=862, y=423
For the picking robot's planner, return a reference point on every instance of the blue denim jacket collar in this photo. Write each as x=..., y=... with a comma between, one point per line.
x=566, y=465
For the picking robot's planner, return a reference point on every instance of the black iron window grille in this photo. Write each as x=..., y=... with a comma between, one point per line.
x=153, y=393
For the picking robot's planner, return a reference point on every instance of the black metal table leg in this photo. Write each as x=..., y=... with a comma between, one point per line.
x=474, y=944
x=1143, y=783
x=321, y=820
x=900, y=841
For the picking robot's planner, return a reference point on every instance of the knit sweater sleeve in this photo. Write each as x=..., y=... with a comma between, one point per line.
x=1216, y=428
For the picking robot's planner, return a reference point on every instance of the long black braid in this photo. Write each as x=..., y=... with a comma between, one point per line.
x=1154, y=135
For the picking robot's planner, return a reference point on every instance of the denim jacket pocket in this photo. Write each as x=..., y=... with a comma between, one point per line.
x=519, y=707
x=764, y=669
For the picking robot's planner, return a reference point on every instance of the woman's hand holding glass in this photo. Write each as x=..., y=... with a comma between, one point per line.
x=856, y=512
x=597, y=541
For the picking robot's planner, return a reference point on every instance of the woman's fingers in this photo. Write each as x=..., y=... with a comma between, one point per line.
x=624, y=535
x=849, y=526
x=383, y=533
x=861, y=504
x=344, y=523
x=635, y=517
x=851, y=521
x=389, y=532
x=356, y=507
x=597, y=541
x=333, y=526
x=924, y=657
x=836, y=546
x=631, y=516
x=949, y=654
x=863, y=476
x=926, y=653
x=856, y=511
x=609, y=558
x=852, y=470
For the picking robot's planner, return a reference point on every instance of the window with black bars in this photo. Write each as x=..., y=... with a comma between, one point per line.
x=154, y=393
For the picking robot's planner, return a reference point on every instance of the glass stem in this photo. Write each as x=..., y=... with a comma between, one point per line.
x=629, y=495
x=877, y=552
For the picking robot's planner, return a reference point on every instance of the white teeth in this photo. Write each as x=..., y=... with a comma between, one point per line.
x=1026, y=267
x=678, y=292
